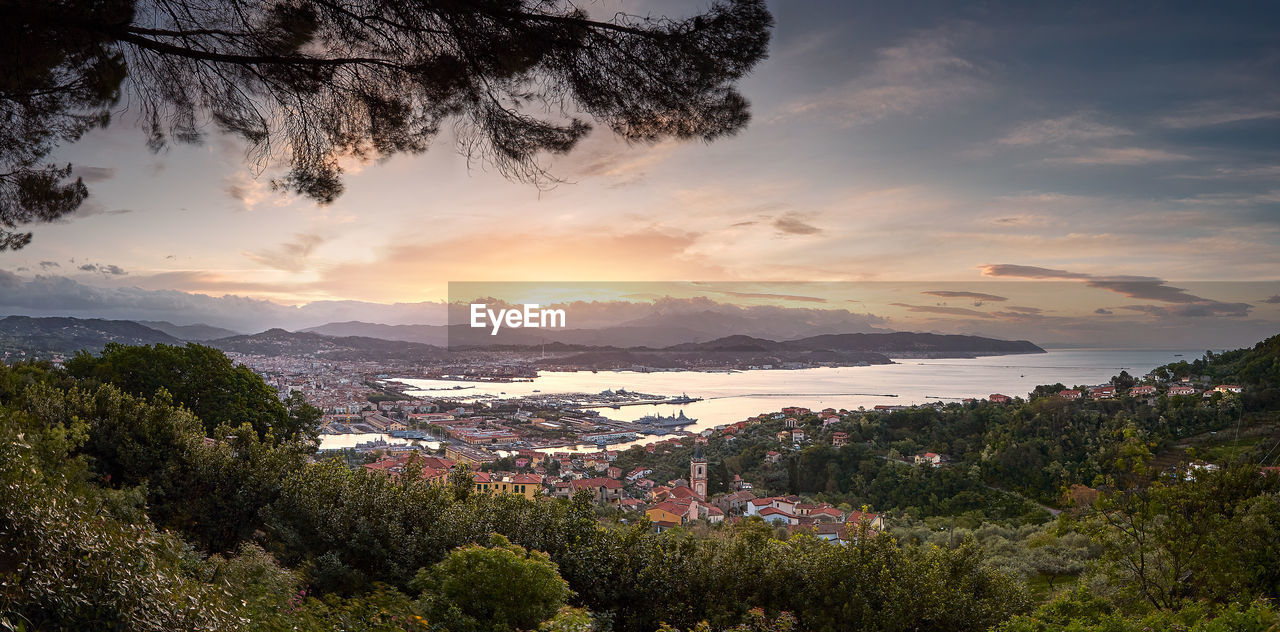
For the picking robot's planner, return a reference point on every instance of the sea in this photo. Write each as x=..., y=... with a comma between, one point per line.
x=728, y=397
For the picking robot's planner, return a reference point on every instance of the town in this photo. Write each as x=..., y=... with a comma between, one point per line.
x=509, y=446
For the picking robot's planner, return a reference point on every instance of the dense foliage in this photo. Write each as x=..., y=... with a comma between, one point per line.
x=206, y=382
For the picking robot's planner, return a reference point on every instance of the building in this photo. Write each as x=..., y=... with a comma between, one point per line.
x=997, y=398
x=874, y=521
x=672, y=512
x=468, y=455
x=735, y=502
x=839, y=438
x=1142, y=391
x=1102, y=392
x=778, y=516
x=527, y=485
x=1070, y=394
x=606, y=491
x=698, y=473
x=1182, y=389
x=931, y=458
x=1227, y=388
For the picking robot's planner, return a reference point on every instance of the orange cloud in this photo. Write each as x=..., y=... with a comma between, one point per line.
x=415, y=271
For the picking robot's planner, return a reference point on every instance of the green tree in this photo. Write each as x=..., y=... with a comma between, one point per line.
x=205, y=381
x=500, y=588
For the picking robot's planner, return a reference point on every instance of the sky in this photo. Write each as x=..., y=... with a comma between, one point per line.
x=1127, y=154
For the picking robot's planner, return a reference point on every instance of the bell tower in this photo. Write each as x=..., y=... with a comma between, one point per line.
x=698, y=473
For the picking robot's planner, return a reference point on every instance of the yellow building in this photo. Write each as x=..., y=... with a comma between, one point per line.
x=670, y=511
x=527, y=485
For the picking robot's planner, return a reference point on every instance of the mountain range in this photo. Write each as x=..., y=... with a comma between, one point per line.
x=584, y=348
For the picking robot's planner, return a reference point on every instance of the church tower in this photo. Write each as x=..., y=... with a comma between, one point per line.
x=698, y=473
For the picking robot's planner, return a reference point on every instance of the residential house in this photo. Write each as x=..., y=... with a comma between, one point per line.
x=874, y=521
x=639, y=473
x=778, y=516
x=736, y=502
x=606, y=491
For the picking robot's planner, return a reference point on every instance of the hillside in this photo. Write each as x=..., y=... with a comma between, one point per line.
x=198, y=332
x=278, y=342
x=68, y=335
x=422, y=334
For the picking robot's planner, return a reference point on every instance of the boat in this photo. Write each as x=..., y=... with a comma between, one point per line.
x=667, y=422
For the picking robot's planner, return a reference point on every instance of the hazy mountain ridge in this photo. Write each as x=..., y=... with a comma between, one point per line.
x=278, y=342
x=195, y=333
x=68, y=335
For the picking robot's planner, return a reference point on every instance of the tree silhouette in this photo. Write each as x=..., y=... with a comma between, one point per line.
x=309, y=82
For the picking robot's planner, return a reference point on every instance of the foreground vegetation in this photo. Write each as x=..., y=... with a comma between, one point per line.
x=121, y=508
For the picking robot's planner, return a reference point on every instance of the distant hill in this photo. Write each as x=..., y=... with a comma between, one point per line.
x=838, y=349
x=278, y=342
x=68, y=335
x=195, y=333
x=423, y=334
x=908, y=343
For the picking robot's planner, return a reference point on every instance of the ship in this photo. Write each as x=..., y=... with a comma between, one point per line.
x=667, y=422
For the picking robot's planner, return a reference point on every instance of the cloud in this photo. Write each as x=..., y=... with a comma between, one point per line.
x=920, y=72
x=410, y=264
x=978, y=297
x=1023, y=219
x=291, y=256
x=942, y=309
x=1103, y=310
x=1024, y=309
x=251, y=192
x=1074, y=128
x=766, y=295
x=1211, y=113
x=93, y=174
x=1140, y=287
x=45, y=265
x=1272, y=300
x=63, y=296
x=105, y=269
x=792, y=224
x=620, y=163
x=1120, y=156
x=1027, y=272
x=1196, y=310
x=91, y=208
